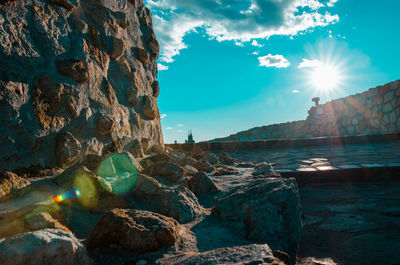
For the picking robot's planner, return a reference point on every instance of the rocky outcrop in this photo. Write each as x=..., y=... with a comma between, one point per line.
x=76, y=78
x=266, y=210
x=249, y=254
x=376, y=111
x=50, y=246
x=11, y=185
x=134, y=230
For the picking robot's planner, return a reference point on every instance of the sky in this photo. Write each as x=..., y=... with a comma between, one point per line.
x=230, y=65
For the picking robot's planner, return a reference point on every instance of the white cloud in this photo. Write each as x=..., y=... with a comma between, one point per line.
x=256, y=44
x=180, y=125
x=270, y=60
x=236, y=20
x=180, y=131
x=255, y=53
x=331, y=3
x=169, y=128
x=162, y=116
x=295, y=91
x=162, y=67
x=309, y=63
x=239, y=44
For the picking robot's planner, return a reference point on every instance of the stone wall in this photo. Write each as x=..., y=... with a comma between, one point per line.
x=77, y=77
x=376, y=111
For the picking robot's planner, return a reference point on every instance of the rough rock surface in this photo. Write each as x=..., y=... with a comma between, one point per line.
x=249, y=254
x=200, y=183
x=50, y=247
x=67, y=68
x=266, y=210
x=134, y=230
x=31, y=218
x=11, y=185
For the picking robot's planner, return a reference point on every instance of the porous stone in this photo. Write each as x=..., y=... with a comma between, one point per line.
x=136, y=231
x=11, y=185
x=71, y=57
x=48, y=246
x=248, y=254
x=170, y=171
x=67, y=150
x=200, y=183
x=266, y=210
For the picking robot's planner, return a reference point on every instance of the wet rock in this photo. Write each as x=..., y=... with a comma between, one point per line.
x=248, y=254
x=267, y=210
x=47, y=246
x=225, y=159
x=11, y=186
x=200, y=183
x=73, y=68
x=169, y=171
x=134, y=230
x=67, y=150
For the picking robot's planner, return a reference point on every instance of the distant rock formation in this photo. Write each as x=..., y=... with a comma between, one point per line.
x=77, y=77
x=376, y=111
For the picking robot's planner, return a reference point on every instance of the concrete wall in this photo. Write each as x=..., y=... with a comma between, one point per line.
x=376, y=111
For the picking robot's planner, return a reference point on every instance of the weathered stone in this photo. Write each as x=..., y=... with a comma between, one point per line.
x=200, y=183
x=142, y=55
x=224, y=158
x=31, y=218
x=43, y=247
x=204, y=166
x=150, y=109
x=387, y=107
x=136, y=149
x=267, y=210
x=68, y=78
x=180, y=204
x=11, y=185
x=67, y=150
x=118, y=48
x=105, y=125
x=156, y=89
x=67, y=4
x=190, y=170
x=224, y=170
x=170, y=171
x=134, y=230
x=248, y=254
x=73, y=68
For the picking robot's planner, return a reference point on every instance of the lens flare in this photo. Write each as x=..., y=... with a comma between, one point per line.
x=118, y=173
x=70, y=194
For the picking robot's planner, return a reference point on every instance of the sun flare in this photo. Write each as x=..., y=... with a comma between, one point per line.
x=325, y=77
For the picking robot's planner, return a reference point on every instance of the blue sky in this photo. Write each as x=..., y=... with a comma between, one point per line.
x=230, y=65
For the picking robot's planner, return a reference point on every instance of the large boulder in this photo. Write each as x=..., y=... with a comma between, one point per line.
x=177, y=202
x=134, y=230
x=11, y=185
x=266, y=210
x=169, y=171
x=43, y=247
x=249, y=254
x=200, y=183
x=70, y=70
x=31, y=218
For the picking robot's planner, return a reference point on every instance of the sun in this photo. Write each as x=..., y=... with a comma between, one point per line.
x=325, y=77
